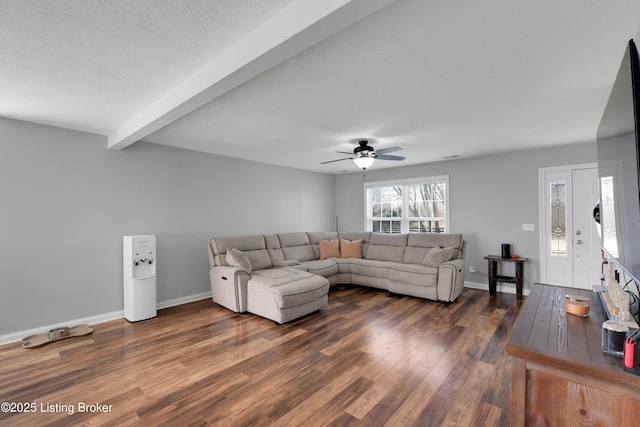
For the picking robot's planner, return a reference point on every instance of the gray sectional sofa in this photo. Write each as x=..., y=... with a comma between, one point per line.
x=287, y=278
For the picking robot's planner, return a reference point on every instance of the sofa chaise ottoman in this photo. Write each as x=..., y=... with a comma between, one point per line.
x=280, y=294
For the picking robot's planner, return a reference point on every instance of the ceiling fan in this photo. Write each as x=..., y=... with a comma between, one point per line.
x=364, y=155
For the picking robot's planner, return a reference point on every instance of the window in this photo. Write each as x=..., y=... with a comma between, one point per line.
x=416, y=206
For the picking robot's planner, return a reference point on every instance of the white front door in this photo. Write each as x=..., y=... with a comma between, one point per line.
x=587, y=258
x=569, y=237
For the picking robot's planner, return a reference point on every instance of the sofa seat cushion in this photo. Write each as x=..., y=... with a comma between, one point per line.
x=296, y=265
x=372, y=273
x=322, y=267
x=370, y=268
x=277, y=275
x=286, y=263
x=344, y=265
x=415, y=274
x=287, y=287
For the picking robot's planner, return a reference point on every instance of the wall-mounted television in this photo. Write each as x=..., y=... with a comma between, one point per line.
x=618, y=147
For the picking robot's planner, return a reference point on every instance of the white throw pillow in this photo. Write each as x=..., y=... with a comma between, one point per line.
x=437, y=255
x=236, y=258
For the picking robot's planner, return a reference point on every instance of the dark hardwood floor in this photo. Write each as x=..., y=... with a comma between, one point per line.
x=367, y=359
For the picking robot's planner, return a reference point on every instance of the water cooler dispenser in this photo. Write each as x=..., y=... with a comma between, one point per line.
x=139, y=277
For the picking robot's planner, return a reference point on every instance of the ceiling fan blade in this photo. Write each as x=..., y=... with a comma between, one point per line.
x=385, y=157
x=339, y=160
x=345, y=152
x=388, y=150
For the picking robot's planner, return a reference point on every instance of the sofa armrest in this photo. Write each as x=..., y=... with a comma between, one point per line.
x=229, y=287
x=450, y=279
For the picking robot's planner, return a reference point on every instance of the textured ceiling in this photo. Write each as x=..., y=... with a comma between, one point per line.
x=93, y=64
x=438, y=78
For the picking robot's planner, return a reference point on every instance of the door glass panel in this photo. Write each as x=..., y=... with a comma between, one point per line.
x=608, y=215
x=558, y=235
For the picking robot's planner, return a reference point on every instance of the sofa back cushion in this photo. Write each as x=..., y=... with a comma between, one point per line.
x=419, y=244
x=296, y=246
x=253, y=247
x=273, y=247
x=387, y=247
x=259, y=259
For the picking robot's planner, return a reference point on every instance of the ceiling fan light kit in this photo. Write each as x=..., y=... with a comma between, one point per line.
x=364, y=155
x=363, y=162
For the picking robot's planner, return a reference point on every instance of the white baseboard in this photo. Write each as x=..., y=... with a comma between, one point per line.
x=17, y=336
x=183, y=300
x=499, y=288
x=105, y=317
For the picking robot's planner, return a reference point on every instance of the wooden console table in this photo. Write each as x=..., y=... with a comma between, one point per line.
x=494, y=277
x=559, y=374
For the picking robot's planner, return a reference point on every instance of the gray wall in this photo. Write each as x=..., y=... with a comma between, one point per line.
x=490, y=198
x=66, y=202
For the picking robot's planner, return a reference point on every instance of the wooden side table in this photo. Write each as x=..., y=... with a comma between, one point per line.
x=494, y=277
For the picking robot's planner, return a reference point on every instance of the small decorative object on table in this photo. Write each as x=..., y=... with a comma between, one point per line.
x=506, y=250
x=577, y=305
x=632, y=353
x=614, y=333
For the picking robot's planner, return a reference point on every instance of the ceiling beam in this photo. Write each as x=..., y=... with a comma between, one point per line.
x=295, y=28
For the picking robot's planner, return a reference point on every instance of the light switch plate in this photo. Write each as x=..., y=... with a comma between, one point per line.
x=528, y=227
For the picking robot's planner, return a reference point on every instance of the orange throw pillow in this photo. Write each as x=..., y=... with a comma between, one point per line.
x=329, y=249
x=351, y=249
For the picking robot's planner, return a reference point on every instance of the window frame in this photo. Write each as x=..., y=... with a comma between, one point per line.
x=405, y=219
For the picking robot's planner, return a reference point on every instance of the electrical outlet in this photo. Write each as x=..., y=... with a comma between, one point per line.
x=528, y=227
x=472, y=269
